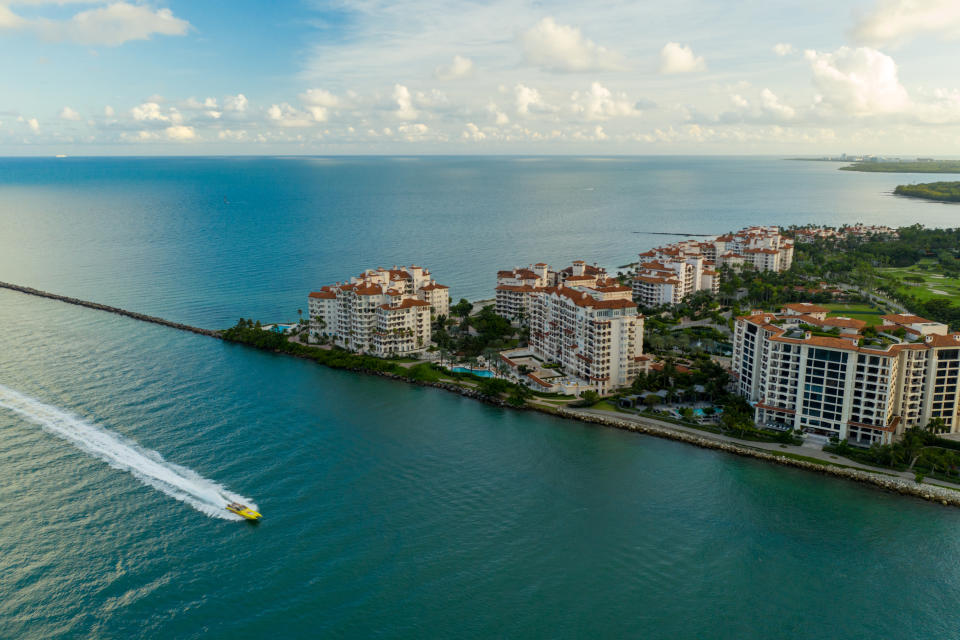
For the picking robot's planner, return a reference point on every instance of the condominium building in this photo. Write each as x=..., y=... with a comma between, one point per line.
x=515, y=287
x=667, y=275
x=857, y=231
x=590, y=327
x=805, y=370
x=382, y=311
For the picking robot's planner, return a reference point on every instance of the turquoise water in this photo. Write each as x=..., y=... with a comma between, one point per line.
x=393, y=510
x=699, y=412
x=480, y=373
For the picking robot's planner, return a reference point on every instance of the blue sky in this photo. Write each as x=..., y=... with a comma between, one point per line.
x=502, y=76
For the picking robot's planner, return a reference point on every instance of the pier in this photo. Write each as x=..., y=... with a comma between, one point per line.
x=116, y=310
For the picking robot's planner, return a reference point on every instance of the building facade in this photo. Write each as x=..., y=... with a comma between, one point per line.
x=667, y=275
x=804, y=370
x=382, y=312
x=515, y=288
x=591, y=328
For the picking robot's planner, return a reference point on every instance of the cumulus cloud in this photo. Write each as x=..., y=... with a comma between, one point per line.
x=405, y=110
x=237, y=103
x=858, y=82
x=599, y=103
x=69, y=114
x=284, y=115
x=111, y=25
x=528, y=100
x=319, y=102
x=109, y=111
x=473, y=133
x=677, y=58
x=562, y=48
x=783, y=49
x=232, y=135
x=893, y=22
x=180, y=133
x=152, y=111
x=459, y=67
x=771, y=105
x=34, y=124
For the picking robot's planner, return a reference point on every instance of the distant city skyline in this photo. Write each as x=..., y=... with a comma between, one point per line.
x=505, y=76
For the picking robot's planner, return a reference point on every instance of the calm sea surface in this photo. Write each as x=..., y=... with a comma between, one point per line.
x=394, y=511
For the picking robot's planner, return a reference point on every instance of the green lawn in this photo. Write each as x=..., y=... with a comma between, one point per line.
x=924, y=285
x=865, y=312
x=604, y=405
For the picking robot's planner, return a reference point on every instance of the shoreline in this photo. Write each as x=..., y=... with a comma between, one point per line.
x=648, y=426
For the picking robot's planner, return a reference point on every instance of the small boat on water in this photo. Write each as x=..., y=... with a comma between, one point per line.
x=243, y=511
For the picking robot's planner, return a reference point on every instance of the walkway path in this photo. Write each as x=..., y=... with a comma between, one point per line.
x=809, y=450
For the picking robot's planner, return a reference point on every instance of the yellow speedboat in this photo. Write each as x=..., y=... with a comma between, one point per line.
x=243, y=511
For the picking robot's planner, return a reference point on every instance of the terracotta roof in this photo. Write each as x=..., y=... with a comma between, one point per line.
x=368, y=289
x=613, y=289
x=432, y=286
x=521, y=288
x=324, y=295
x=904, y=318
x=806, y=307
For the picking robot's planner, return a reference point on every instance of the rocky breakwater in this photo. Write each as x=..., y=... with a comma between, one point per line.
x=902, y=486
x=109, y=309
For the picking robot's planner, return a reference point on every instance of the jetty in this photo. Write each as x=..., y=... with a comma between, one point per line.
x=115, y=310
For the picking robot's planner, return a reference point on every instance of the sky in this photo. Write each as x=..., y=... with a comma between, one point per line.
x=811, y=77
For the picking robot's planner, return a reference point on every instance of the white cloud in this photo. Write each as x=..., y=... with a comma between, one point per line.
x=69, y=114
x=111, y=25
x=499, y=116
x=783, y=49
x=9, y=20
x=772, y=106
x=320, y=98
x=677, y=58
x=237, y=103
x=893, y=22
x=599, y=103
x=459, y=67
x=180, y=133
x=401, y=96
x=319, y=102
x=562, y=48
x=528, y=100
x=34, y=124
x=285, y=115
x=108, y=111
x=413, y=132
x=858, y=82
x=152, y=112
x=232, y=135
x=474, y=133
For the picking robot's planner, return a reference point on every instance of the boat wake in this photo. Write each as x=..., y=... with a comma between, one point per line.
x=122, y=453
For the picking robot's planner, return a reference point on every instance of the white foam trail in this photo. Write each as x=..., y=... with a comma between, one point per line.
x=119, y=452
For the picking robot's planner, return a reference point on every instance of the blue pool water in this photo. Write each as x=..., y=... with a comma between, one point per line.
x=700, y=413
x=480, y=373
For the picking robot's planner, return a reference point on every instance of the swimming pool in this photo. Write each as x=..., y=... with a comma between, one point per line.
x=699, y=412
x=480, y=373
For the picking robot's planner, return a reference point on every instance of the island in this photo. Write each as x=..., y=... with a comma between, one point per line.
x=918, y=166
x=940, y=191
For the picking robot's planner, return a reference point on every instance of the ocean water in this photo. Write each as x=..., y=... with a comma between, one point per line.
x=390, y=510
